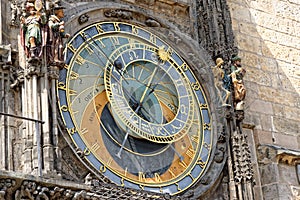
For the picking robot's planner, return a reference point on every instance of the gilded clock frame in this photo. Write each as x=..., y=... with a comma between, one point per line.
x=75, y=134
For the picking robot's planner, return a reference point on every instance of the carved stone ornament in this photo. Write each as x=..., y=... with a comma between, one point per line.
x=6, y=185
x=21, y=187
x=53, y=72
x=5, y=55
x=118, y=13
x=272, y=153
x=33, y=68
x=83, y=19
x=152, y=23
x=17, y=77
x=296, y=192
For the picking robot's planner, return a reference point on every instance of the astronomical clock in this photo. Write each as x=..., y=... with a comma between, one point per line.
x=133, y=105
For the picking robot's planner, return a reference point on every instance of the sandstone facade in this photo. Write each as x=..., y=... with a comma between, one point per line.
x=267, y=36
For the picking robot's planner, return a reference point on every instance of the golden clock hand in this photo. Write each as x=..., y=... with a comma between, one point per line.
x=148, y=85
x=124, y=71
x=153, y=88
x=136, y=110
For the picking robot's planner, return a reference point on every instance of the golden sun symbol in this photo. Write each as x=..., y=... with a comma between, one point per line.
x=163, y=54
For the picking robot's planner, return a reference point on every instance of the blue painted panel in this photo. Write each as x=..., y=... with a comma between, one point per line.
x=76, y=137
x=125, y=28
x=108, y=27
x=91, y=31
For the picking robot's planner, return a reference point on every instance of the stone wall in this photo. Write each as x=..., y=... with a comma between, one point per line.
x=267, y=35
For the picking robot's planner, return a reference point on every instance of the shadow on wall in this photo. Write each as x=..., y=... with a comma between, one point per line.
x=266, y=36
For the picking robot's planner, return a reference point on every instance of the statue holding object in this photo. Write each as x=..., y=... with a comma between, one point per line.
x=56, y=35
x=32, y=33
x=239, y=91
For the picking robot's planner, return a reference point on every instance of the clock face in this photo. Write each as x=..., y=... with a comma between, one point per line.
x=134, y=107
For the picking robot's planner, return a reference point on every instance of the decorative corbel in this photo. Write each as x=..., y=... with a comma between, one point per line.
x=17, y=77
x=273, y=153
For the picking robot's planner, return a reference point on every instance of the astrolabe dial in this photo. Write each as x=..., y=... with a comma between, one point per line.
x=152, y=99
x=133, y=106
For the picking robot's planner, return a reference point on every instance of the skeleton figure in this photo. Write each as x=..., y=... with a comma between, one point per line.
x=219, y=76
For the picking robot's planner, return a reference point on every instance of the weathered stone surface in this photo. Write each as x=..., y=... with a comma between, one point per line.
x=288, y=141
x=263, y=137
x=269, y=174
x=270, y=191
x=287, y=174
x=273, y=68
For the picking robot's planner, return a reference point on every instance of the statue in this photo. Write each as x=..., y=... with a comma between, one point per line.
x=31, y=27
x=56, y=35
x=219, y=76
x=15, y=12
x=237, y=74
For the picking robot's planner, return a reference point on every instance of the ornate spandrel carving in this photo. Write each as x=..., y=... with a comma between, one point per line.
x=295, y=192
x=118, y=13
x=152, y=23
x=221, y=148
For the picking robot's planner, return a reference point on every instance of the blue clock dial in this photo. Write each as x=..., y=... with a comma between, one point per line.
x=131, y=103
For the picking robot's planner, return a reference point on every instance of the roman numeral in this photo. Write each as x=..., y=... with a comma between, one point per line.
x=142, y=177
x=74, y=75
x=157, y=177
x=190, y=153
x=84, y=131
x=80, y=60
x=95, y=147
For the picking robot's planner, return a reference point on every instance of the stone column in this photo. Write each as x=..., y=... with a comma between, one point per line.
x=6, y=133
x=27, y=154
x=33, y=160
x=54, y=75
x=48, y=151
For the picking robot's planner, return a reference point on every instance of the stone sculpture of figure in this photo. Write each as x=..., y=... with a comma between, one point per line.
x=219, y=76
x=237, y=74
x=31, y=26
x=57, y=33
x=15, y=12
